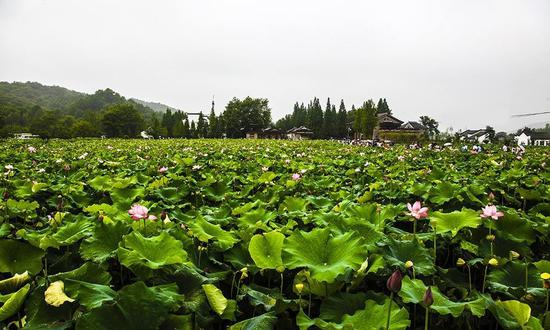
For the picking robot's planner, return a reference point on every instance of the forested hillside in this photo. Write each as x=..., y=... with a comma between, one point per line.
x=52, y=111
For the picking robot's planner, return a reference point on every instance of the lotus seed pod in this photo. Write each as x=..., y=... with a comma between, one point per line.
x=493, y=262
x=299, y=287
x=513, y=255
x=460, y=262
x=409, y=264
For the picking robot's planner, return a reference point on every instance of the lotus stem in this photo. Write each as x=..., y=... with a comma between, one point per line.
x=470, y=278
x=389, y=312
x=309, y=305
x=491, y=243
x=526, y=276
x=281, y=284
x=435, y=244
x=484, y=279
x=427, y=318
x=21, y=322
x=414, y=229
x=232, y=285
x=547, y=296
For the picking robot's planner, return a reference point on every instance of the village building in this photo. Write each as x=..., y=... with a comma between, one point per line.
x=299, y=133
x=25, y=136
x=526, y=138
x=265, y=133
x=474, y=135
x=392, y=129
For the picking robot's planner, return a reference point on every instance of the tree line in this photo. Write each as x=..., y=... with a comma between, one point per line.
x=56, y=112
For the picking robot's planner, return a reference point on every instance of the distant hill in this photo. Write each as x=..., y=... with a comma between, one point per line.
x=159, y=107
x=32, y=93
x=31, y=106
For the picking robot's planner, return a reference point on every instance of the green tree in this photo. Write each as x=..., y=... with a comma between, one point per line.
x=84, y=128
x=242, y=116
x=121, y=120
x=342, y=125
x=432, y=126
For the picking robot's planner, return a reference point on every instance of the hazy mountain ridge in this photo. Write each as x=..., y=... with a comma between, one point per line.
x=156, y=106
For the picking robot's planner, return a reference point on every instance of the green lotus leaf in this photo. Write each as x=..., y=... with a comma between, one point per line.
x=412, y=291
x=72, y=232
x=443, y=192
x=204, y=231
x=18, y=257
x=22, y=207
x=101, y=183
x=514, y=228
x=399, y=252
x=341, y=303
x=180, y=322
x=136, y=306
x=294, y=204
x=215, y=298
x=172, y=195
x=124, y=197
x=217, y=191
x=454, y=221
x=513, y=314
x=88, y=284
x=13, y=302
x=266, y=250
x=265, y=321
x=266, y=177
x=142, y=254
x=104, y=242
x=319, y=288
x=373, y=316
x=15, y=282
x=543, y=266
x=5, y=230
x=512, y=276
x=324, y=255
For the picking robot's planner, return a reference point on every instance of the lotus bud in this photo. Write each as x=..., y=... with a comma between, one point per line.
x=493, y=262
x=491, y=196
x=428, y=298
x=394, y=282
x=163, y=215
x=460, y=262
x=513, y=255
x=409, y=264
x=299, y=287
x=100, y=218
x=491, y=238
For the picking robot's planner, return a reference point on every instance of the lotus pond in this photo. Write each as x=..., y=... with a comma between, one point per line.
x=211, y=234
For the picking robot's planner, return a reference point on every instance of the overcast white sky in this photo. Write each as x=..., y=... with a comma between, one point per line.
x=466, y=63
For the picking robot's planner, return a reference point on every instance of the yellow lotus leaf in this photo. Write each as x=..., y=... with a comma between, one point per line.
x=55, y=295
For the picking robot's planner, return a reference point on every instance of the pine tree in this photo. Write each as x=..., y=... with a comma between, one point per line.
x=212, y=124
x=186, y=131
x=342, y=121
x=193, y=130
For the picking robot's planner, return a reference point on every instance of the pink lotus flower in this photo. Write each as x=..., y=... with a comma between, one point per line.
x=417, y=211
x=31, y=149
x=296, y=176
x=163, y=169
x=139, y=212
x=491, y=211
